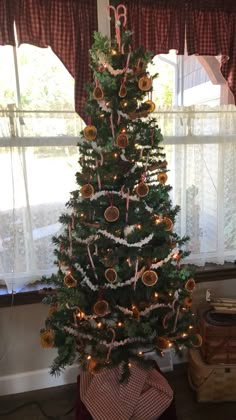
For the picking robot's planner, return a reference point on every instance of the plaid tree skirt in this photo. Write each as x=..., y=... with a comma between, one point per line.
x=83, y=414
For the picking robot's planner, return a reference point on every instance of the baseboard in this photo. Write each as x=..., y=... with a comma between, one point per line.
x=37, y=379
x=40, y=379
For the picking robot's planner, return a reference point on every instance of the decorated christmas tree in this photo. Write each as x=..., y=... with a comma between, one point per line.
x=121, y=293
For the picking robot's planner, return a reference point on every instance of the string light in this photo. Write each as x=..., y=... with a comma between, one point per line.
x=139, y=226
x=129, y=365
x=115, y=155
x=155, y=295
x=102, y=115
x=123, y=130
x=140, y=353
x=80, y=315
x=113, y=52
x=81, y=214
x=170, y=294
x=119, y=324
x=184, y=335
x=115, y=177
x=190, y=327
x=89, y=357
x=157, y=220
x=99, y=324
x=170, y=345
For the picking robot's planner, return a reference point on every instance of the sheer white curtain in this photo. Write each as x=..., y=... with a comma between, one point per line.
x=200, y=143
x=38, y=161
x=37, y=174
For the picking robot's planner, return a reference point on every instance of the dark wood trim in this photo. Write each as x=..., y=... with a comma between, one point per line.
x=34, y=293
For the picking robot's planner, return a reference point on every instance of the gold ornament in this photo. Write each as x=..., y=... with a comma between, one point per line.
x=111, y=214
x=142, y=189
x=111, y=275
x=151, y=106
x=101, y=307
x=123, y=91
x=188, y=301
x=90, y=132
x=98, y=93
x=196, y=340
x=168, y=224
x=47, y=339
x=145, y=83
x=136, y=313
x=92, y=367
x=162, y=343
x=162, y=178
x=52, y=309
x=87, y=191
x=122, y=140
x=190, y=285
x=70, y=281
x=149, y=278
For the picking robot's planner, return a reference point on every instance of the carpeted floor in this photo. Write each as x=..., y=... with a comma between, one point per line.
x=54, y=403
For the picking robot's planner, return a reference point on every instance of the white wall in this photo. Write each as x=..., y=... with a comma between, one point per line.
x=24, y=364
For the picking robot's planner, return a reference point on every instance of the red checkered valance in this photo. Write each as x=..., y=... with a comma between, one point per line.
x=6, y=23
x=208, y=26
x=66, y=26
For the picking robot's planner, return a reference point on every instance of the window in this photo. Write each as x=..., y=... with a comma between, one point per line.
x=201, y=154
x=38, y=159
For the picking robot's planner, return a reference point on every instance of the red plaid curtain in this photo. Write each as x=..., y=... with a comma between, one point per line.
x=211, y=30
x=209, y=27
x=158, y=25
x=66, y=26
x=6, y=23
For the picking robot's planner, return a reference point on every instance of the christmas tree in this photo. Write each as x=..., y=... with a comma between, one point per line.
x=121, y=293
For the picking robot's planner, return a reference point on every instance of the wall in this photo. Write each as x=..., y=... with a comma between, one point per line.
x=24, y=364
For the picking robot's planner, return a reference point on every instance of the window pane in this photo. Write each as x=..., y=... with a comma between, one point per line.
x=7, y=76
x=44, y=81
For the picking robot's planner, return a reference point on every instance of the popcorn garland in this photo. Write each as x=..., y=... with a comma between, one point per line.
x=75, y=333
x=124, y=242
x=145, y=313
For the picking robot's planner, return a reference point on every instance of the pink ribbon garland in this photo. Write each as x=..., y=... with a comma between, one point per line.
x=146, y=164
x=102, y=159
x=136, y=274
x=176, y=319
x=70, y=239
x=111, y=345
x=112, y=126
x=98, y=176
x=118, y=119
x=127, y=206
x=92, y=263
x=118, y=15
